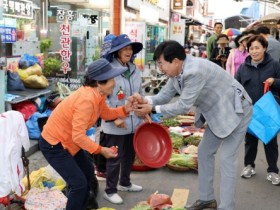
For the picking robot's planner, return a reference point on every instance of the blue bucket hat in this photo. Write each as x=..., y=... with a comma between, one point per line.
x=101, y=69
x=122, y=41
x=106, y=45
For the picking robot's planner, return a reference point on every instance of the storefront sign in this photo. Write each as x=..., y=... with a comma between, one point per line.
x=136, y=33
x=177, y=31
x=8, y=30
x=154, y=2
x=175, y=17
x=1, y=9
x=18, y=8
x=149, y=14
x=63, y=15
x=67, y=1
x=161, y=6
x=91, y=19
x=177, y=4
x=65, y=42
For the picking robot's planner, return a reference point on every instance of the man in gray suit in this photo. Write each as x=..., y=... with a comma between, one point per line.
x=273, y=47
x=220, y=101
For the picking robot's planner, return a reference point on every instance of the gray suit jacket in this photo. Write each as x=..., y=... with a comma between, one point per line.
x=273, y=48
x=206, y=86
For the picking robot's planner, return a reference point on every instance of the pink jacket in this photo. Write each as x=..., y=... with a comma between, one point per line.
x=230, y=67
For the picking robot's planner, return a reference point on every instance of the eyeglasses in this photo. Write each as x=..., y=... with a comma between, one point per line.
x=159, y=64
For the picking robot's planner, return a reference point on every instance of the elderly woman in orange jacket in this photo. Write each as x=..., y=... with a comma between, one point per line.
x=63, y=141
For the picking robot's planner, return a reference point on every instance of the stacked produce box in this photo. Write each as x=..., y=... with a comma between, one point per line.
x=185, y=139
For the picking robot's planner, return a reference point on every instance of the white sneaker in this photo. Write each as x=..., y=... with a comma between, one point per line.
x=113, y=198
x=131, y=188
x=274, y=178
x=248, y=172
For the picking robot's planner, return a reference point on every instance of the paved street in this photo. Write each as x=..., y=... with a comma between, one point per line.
x=253, y=194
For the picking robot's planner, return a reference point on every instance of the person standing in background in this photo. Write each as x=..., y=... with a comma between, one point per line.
x=154, y=43
x=278, y=29
x=273, y=47
x=237, y=55
x=202, y=39
x=259, y=67
x=120, y=132
x=211, y=41
x=232, y=43
x=221, y=52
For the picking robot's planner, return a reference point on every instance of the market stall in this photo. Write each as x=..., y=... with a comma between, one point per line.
x=184, y=137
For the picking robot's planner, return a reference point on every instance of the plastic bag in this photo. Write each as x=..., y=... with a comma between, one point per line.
x=63, y=90
x=159, y=201
x=47, y=199
x=34, y=70
x=27, y=60
x=26, y=108
x=32, y=124
x=14, y=82
x=156, y=117
x=265, y=121
x=22, y=74
x=35, y=81
x=45, y=175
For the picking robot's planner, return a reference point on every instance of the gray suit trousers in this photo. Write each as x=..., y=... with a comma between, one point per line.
x=229, y=148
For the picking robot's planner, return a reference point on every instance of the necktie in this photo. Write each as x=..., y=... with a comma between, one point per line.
x=179, y=78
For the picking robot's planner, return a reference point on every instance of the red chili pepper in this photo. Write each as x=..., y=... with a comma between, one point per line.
x=115, y=149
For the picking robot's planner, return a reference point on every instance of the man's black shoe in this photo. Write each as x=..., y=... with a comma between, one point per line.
x=201, y=205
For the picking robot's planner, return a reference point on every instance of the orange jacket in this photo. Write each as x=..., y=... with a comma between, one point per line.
x=77, y=113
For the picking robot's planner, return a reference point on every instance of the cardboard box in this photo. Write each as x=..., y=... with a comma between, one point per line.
x=179, y=198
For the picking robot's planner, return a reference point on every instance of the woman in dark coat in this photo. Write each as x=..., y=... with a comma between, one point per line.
x=259, y=67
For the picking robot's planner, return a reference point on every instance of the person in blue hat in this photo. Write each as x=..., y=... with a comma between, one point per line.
x=120, y=132
x=63, y=140
x=106, y=47
x=100, y=160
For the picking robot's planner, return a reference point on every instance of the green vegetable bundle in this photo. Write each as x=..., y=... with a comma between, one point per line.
x=192, y=140
x=171, y=122
x=177, y=140
x=185, y=160
x=142, y=207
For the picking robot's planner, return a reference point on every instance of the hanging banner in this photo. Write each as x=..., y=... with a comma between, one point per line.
x=65, y=42
x=8, y=30
x=175, y=17
x=1, y=9
x=63, y=15
x=18, y=8
x=136, y=33
x=177, y=4
x=177, y=31
x=65, y=38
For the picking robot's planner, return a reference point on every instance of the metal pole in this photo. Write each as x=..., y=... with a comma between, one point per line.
x=2, y=90
x=264, y=12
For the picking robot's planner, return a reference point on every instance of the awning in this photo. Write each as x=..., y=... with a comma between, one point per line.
x=252, y=25
x=272, y=17
x=238, y=21
x=192, y=21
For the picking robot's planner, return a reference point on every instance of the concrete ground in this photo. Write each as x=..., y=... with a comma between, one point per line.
x=252, y=194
